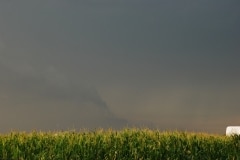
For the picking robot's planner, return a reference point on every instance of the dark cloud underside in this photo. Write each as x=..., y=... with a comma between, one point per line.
x=163, y=64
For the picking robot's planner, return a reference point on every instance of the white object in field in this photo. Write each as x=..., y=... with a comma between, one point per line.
x=232, y=130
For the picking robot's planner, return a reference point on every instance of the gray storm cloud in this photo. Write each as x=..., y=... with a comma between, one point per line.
x=48, y=100
x=167, y=64
x=2, y=44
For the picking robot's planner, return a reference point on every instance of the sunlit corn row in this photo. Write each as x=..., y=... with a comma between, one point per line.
x=118, y=145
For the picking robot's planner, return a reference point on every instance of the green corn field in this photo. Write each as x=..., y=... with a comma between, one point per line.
x=126, y=144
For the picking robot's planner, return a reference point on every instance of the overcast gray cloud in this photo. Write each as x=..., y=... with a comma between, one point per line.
x=45, y=99
x=163, y=64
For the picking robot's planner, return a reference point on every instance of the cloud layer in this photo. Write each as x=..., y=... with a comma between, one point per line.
x=45, y=99
x=161, y=64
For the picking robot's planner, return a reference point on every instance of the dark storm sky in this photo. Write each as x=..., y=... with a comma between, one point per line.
x=163, y=64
